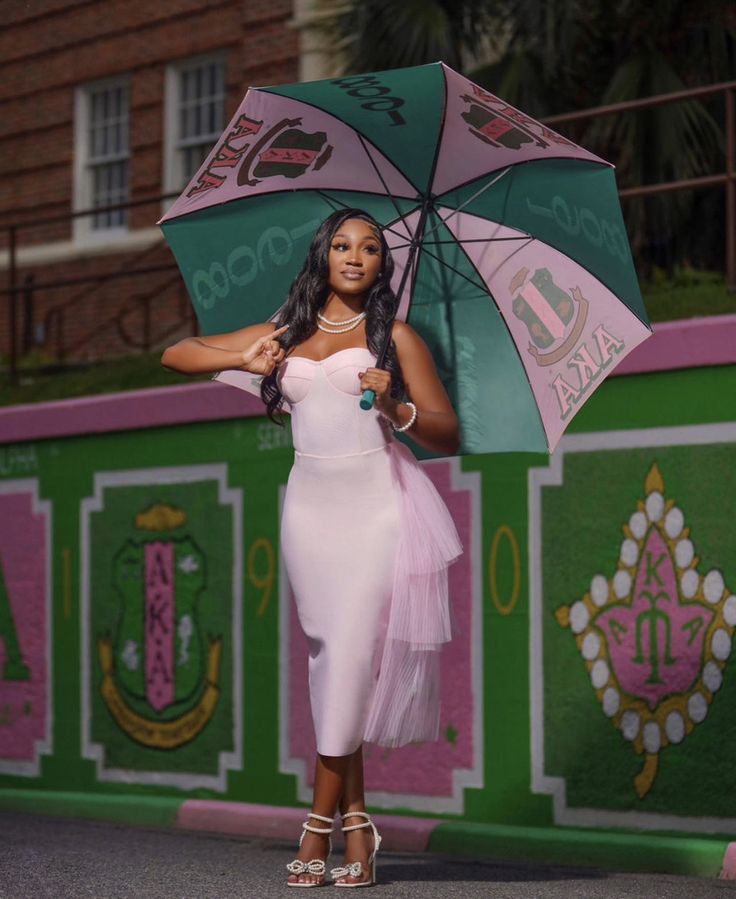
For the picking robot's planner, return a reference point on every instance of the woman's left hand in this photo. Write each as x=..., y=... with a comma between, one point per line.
x=379, y=381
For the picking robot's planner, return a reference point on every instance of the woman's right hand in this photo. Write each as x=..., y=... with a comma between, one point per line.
x=262, y=356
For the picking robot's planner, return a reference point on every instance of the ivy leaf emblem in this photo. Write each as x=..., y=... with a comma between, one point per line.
x=656, y=635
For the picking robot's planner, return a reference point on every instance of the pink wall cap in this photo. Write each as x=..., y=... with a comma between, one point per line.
x=685, y=343
x=126, y=410
x=688, y=343
x=400, y=832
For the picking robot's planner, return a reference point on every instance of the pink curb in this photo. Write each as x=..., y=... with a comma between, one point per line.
x=402, y=833
x=728, y=871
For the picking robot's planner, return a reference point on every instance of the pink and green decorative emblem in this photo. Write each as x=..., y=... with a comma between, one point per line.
x=656, y=635
x=161, y=629
x=547, y=310
x=158, y=657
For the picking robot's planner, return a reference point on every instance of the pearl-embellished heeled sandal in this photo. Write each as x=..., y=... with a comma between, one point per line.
x=315, y=866
x=355, y=869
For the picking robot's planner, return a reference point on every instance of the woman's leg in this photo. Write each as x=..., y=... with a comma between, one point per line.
x=353, y=795
x=330, y=776
x=358, y=843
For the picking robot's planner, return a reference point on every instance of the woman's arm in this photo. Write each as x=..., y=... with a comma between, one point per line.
x=254, y=349
x=436, y=427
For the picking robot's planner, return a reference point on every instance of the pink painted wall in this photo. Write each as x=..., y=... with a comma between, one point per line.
x=23, y=557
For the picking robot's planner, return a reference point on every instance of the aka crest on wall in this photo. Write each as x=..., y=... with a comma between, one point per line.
x=655, y=636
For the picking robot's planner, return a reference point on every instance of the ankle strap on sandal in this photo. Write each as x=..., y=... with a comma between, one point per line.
x=312, y=829
x=308, y=826
x=356, y=815
x=321, y=817
x=366, y=823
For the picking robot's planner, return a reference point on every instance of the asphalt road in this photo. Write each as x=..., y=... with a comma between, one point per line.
x=58, y=858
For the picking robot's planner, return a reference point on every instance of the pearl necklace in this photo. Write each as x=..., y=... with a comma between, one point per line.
x=355, y=322
x=347, y=321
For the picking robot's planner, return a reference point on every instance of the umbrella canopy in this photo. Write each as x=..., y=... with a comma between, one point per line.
x=512, y=260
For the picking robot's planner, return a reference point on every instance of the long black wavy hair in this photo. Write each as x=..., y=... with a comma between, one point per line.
x=308, y=295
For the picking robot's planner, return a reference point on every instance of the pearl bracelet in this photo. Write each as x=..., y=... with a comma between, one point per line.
x=410, y=422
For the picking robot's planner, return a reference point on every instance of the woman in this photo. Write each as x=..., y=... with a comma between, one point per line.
x=365, y=536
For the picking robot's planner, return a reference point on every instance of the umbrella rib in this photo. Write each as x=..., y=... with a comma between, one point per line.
x=525, y=162
x=513, y=342
x=529, y=240
x=372, y=161
x=453, y=269
x=475, y=196
x=334, y=200
x=458, y=240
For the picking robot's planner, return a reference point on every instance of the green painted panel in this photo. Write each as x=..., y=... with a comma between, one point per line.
x=581, y=534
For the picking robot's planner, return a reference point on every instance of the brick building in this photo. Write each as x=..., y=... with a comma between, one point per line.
x=107, y=102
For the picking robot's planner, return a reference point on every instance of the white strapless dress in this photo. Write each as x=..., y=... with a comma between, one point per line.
x=366, y=541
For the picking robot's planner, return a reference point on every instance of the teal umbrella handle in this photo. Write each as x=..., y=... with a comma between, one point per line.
x=367, y=400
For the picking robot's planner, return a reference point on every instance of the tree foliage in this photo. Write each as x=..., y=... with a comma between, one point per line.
x=553, y=56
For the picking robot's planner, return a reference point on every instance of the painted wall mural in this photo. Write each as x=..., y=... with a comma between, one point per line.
x=591, y=681
x=431, y=776
x=161, y=626
x=634, y=613
x=25, y=627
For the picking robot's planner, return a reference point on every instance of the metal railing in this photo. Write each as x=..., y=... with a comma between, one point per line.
x=53, y=324
x=21, y=295
x=725, y=179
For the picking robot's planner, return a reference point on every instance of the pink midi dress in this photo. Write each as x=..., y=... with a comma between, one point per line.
x=366, y=541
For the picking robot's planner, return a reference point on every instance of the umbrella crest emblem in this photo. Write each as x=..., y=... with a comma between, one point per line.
x=554, y=318
x=496, y=128
x=656, y=636
x=159, y=679
x=284, y=150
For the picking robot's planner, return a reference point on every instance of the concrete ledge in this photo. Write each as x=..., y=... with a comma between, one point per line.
x=615, y=850
x=126, y=809
x=612, y=850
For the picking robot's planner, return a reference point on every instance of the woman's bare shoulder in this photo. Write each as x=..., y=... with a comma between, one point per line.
x=405, y=337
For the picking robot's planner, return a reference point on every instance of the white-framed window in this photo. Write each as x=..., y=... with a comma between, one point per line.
x=101, y=155
x=194, y=116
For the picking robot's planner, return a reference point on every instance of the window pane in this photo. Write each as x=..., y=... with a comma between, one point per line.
x=108, y=125
x=107, y=130
x=200, y=115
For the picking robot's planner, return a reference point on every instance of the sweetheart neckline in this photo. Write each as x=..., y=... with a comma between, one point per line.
x=348, y=349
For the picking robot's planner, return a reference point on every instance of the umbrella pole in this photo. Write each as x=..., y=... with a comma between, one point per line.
x=369, y=396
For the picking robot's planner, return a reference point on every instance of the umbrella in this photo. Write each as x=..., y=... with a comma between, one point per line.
x=512, y=260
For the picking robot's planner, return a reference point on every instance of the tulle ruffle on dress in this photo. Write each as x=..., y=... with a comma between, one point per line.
x=405, y=706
